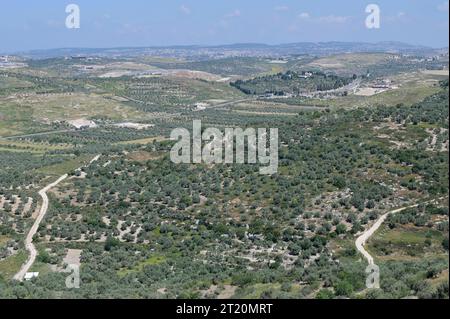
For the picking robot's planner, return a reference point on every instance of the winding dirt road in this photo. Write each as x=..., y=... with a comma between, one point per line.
x=29, y=239
x=361, y=240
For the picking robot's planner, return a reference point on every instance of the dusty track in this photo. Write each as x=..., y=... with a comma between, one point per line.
x=362, y=239
x=29, y=239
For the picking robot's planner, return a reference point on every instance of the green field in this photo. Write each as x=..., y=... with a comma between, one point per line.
x=11, y=265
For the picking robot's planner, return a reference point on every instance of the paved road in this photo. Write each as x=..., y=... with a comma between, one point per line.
x=29, y=239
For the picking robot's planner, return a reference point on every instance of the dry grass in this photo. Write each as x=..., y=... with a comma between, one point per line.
x=144, y=141
x=63, y=107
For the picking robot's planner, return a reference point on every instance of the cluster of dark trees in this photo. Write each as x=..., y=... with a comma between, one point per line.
x=291, y=82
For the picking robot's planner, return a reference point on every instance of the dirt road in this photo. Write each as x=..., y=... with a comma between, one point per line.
x=29, y=239
x=35, y=134
x=228, y=103
x=361, y=240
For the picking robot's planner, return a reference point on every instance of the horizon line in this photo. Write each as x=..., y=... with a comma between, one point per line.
x=221, y=45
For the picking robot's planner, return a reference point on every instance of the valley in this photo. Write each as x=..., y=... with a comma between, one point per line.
x=361, y=134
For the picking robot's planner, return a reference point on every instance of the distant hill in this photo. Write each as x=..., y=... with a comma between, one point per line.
x=242, y=49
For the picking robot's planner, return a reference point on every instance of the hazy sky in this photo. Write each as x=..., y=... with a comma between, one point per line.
x=40, y=24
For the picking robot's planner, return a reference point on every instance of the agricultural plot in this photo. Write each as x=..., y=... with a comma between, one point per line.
x=173, y=215
x=224, y=231
x=66, y=107
x=407, y=89
x=228, y=67
x=375, y=64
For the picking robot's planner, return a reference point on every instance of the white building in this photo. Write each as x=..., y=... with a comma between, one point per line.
x=201, y=106
x=82, y=124
x=31, y=275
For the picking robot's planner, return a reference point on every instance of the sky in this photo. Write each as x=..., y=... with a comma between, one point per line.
x=26, y=25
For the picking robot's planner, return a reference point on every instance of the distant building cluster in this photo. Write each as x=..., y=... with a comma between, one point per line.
x=4, y=61
x=10, y=62
x=81, y=124
x=306, y=75
x=382, y=84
